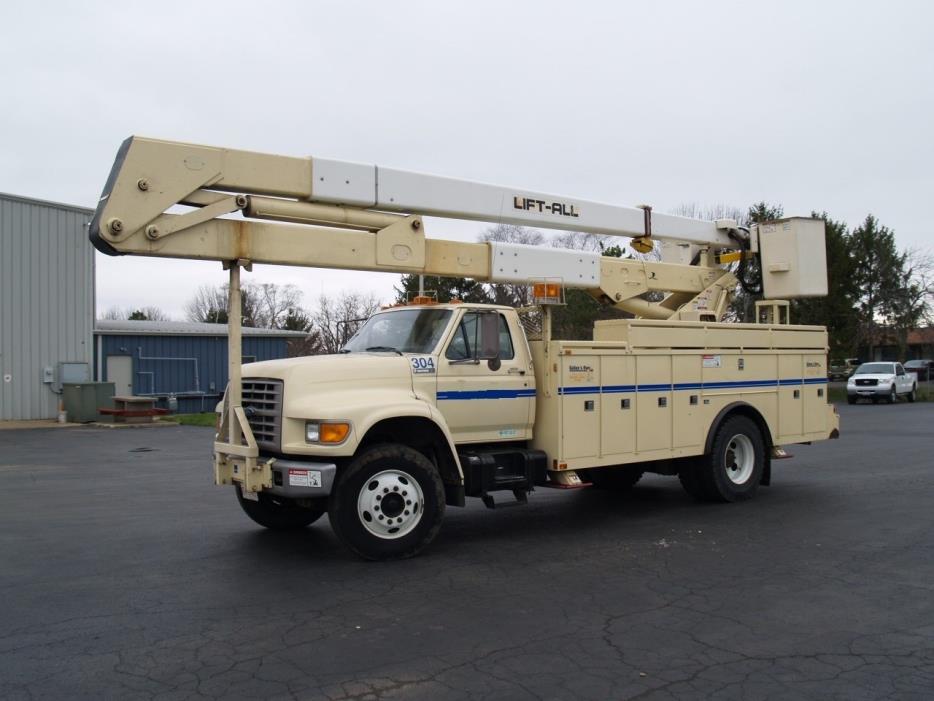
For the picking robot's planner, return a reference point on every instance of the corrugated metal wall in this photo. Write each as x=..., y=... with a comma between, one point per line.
x=164, y=364
x=46, y=300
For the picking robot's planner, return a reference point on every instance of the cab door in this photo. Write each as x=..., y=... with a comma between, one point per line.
x=486, y=400
x=903, y=380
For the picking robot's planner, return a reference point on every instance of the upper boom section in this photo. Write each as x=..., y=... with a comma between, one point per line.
x=172, y=171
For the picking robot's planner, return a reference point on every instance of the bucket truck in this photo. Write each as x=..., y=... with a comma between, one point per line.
x=430, y=404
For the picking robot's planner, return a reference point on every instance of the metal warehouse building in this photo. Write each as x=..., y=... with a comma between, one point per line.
x=176, y=361
x=46, y=304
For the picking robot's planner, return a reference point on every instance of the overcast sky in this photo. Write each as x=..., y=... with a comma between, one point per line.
x=813, y=105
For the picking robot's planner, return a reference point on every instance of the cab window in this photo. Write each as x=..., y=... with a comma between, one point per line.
x=461, y=346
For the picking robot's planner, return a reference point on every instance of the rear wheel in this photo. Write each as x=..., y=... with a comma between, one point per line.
x=280, y=514
x=911, y=394
x=388, y=503
x=733, y=468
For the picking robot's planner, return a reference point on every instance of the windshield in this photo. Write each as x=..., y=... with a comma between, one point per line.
x=873, y=368
x=916, y=363
x=407, y=331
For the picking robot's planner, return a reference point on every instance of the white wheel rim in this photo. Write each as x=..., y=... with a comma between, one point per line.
x=390, y=504
x=739, y=459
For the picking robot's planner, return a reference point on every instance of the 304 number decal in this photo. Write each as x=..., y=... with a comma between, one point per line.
x=422, y=364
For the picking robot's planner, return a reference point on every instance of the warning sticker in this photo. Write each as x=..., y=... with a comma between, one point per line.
x=711, y=361
x=304, y=478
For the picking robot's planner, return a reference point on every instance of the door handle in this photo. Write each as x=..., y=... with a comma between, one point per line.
x=515, y=371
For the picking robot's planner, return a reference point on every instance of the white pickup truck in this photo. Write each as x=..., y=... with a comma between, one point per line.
x=881, y=380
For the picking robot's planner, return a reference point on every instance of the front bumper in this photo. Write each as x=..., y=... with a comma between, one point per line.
x=300, y=479
x=292, y=479
x=877, y=391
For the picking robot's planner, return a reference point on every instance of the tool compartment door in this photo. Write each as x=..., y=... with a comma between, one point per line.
x=815, y=394
x=790, y=399
x=653, y=402
x=687, y=428
x=618, y=405
x=580, y=406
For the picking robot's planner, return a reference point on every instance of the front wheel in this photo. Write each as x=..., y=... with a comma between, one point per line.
x=733, y=468
x=388, y=503
x=893, y=396
x=280, y=514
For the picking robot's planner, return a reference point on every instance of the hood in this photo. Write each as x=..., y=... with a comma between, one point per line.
x=331, y=386
x=337, y=368
x=873, y=376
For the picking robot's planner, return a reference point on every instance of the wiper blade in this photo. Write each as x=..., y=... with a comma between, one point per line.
x=345, y=350
x=384, y=349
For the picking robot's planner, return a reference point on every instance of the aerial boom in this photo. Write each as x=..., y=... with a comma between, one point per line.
x=335, y=214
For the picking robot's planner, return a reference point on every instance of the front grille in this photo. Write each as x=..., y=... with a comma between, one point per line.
x=867, y=383
x=262, y=403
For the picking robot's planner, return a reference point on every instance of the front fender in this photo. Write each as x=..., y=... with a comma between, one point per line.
x=363, y=408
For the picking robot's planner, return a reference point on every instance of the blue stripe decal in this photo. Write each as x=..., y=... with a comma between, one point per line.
x=687, y=386
x=460, y=395
x=579, y=390
x=485, y=394
x=616, y=389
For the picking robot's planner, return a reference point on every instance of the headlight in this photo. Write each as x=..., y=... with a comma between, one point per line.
x=312, y=431
x=329, y=432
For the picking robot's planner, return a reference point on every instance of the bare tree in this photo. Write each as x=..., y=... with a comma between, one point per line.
x=911, y=305
x=210, y=305
x=276, y=303
x=581, y=241
x=113, y=314
x=148, y=314
x=711, y=212
x=336, y=319
x=135, y=314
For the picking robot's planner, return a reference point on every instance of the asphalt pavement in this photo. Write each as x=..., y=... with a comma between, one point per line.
x=124, y=574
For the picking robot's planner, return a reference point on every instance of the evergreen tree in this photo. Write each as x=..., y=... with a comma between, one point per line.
x=878, y=274
x=446, y=288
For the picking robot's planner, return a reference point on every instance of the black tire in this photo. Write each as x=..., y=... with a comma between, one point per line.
x=893, y=396
x=357, y=523
x=279, y=514
x=911, y=394
x=850, y=399
x=616, y=479
x=733, y=468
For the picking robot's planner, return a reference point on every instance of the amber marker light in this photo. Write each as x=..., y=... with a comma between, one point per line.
x=334, y=433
